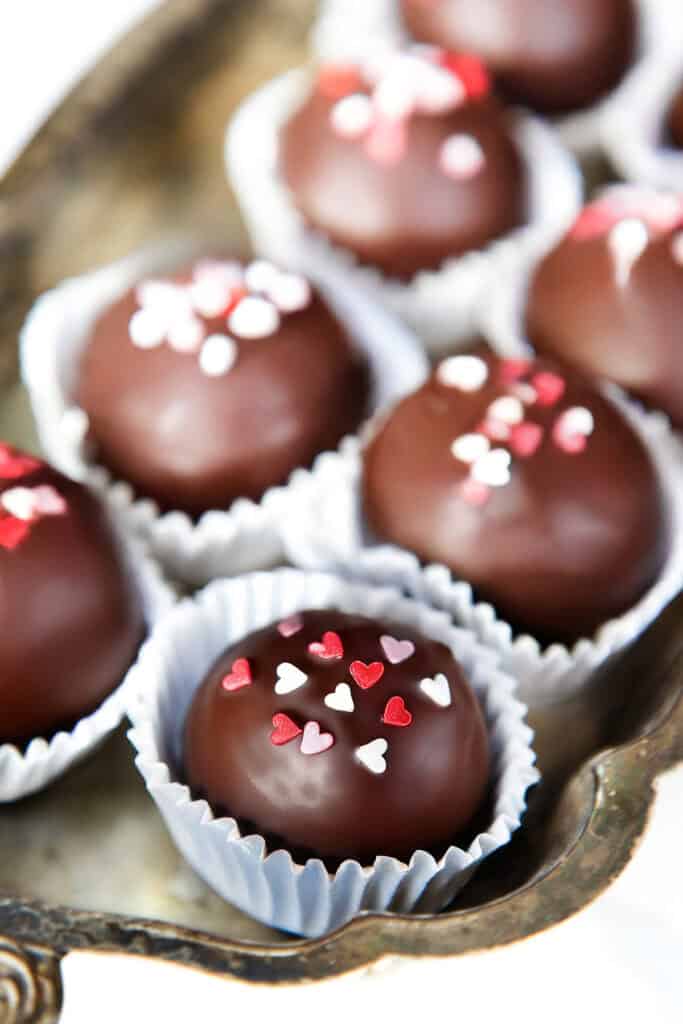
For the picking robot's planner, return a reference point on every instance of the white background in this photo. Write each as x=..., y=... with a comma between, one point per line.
x=619, y=960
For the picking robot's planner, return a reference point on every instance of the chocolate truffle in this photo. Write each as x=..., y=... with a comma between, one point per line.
x=217, y=383
x=340, y=736
x=405, y=161
x=72, y=618
x=609, y=298
x=554, y=55
x=524, y=480
x=675, y=120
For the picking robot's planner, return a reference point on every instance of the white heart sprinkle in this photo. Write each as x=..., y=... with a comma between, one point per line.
x=371, y=755
x=155, y=293
x=340, y=699
x=492, y=469
x=506, y=409
x=147, y=327
x=394, y=97
x=218, y=355
x=526, y=393
x=437, y=689
x=254, y=317
x=19, y=502
x=467, y=373
x=578, y=420
x=470, y=447
x=229, y=272
x=290, y=293
x=260, y=276
x=397, y=651
x=186, y=335
x=47, y=501
x=210, y=295
x=289, y=678
x=627, y=241
x=461, y=157
x=352, y=116
x=677, y=247
x=439, y=91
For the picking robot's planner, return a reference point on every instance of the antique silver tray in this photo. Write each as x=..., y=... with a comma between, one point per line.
x=134, y=155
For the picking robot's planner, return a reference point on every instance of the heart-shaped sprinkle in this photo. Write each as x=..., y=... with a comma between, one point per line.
x=288, y=627
x=330, y=648
x=395, y=650
x=470, y=71
x=12, y=532
x=506, y=409
x=461, y=157
x=254, y=317
x=492, y=469
x=14, y=466
x=512, y=370
x=627, y=241
x=289, y=678
x=366, y=675
x=290, y=293
x=474, y=493
x=210, y=296
x=437, y=689
x=396, y=713
x=147, y=327
x=526, y=393
x=285, y=730
x=340, y=699
x=314, y=741
x=572, y=428
x=386, y=141
x=440, y=92
x=352, y=116
x=548, y=386
x=467, y=373
x=525, y=439
x=470, y=447
x=218, y=355
x=371, y=755
x=19, y=502
x=186, y=334
x=495, y=430
x=337, y=80
x=47, y=501
x=238, y=676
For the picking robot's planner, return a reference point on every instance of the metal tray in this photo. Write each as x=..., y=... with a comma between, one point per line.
x=135, y=155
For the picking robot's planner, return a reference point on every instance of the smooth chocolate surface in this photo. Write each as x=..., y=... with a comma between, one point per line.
x=675, y=119
x=194, y=441
x=404, y=213
x=330, y=803
x=546, y=502
x=554, y=55
x=609, y=298
x=72, y=617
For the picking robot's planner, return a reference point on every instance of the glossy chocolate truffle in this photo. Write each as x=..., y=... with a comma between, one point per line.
x=71, y=615
x=525, y=481
x=675, y=120
x=216, y=384
x=406, y=162
x=554, y=55
x=609, y=297
x=341, y=736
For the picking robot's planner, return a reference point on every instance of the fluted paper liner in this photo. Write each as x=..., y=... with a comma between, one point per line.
x=238, y=539
x=269, y=885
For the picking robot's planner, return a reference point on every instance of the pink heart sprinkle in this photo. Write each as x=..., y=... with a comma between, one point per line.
x=495, y=430
x=397, y=650
x=314, y=741
x=48, y=502
x=512, y=370
x=386, y=141
x=548, y=386
x=525, y=439
x=475, y=493
x=288, y=627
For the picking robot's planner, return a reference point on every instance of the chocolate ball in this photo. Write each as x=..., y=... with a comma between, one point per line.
x=554, y=55
x=405, y=162
x=675, y=120
x=217, y=383
x=339, y=736
x=72, y=617
x=524, y=480
x=609, y=298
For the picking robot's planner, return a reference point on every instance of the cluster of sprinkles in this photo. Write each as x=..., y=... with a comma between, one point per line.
x=631, y=217
x=22, y=507
x=505, y=430
x=420, y=79
x=250, y=300
x=365, y=675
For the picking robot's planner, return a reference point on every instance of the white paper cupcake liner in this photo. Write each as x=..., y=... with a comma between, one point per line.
x=328, y=533
x=25, y=772
x=220, y=543
x=442, y=305
x=305, y=898
x=345, y=29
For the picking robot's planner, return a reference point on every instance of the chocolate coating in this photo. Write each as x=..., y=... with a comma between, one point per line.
x=675, y=120
x=554, y=55
x=621, y=325
x=72, y=617
x=574, y=536
x=407, y=216
x=328, y=803
x=192, y=441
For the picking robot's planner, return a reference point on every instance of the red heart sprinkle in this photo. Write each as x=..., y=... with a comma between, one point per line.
x=525, y=439
x=548, y=386
x=396, y=713
x=239, y=676
x=471, y=72
x=595, y=221
x=285, y=730
x=12, y=532
x=13, y=466
x=330, y=648
x=366, y=675
x=512, y=370
x=338, y=80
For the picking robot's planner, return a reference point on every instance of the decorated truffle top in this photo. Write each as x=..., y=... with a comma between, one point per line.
x=339, y=735
x=23, y=506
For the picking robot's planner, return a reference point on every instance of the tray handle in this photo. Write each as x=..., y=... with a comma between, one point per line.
x=30, y=984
